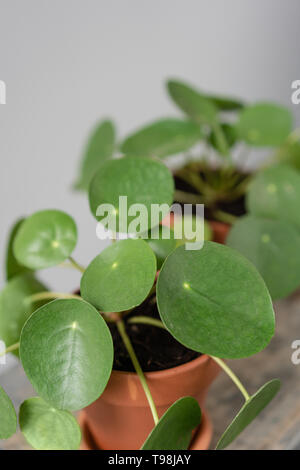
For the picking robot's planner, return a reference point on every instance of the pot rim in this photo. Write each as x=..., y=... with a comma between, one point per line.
x=160, y=374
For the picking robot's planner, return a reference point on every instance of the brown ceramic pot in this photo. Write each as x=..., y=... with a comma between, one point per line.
x=200, y=441
x=121, y=419
x=220, y=231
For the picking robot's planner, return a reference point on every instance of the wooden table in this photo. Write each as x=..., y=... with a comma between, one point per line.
x=278, y=426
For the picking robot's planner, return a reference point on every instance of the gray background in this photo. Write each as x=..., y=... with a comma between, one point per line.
x=68, y=63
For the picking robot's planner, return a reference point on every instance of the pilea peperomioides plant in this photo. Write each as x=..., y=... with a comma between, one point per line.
x=217, y=137
x=212, y=300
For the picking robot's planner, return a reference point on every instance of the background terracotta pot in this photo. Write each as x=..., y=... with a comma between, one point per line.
x=121, y=419
x=220, y=231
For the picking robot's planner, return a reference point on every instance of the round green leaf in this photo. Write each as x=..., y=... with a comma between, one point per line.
x=142, y=180
x=8, y=417
x=67, y=353
x=197, y=106
x=174, y=429
x=99, y=148
x=264, y=124
x=45, y=239
x=13, y=268
x=15, y=306
x=271, y=246
x=275, y=193
x=46, y=428
x=162, y=138
x=253, y=406
x=161, y=246
x=214, y=301
x=120, y=277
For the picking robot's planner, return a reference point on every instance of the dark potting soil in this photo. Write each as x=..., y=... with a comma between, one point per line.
x=155, y=348
x=236, y=207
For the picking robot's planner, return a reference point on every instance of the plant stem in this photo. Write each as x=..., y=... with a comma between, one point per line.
x=147, y=321
x=50, y=295
x=187, y=198
x=232, y=375
x=225, y=217
x=194, y=179
x=221, y=141
x=76, y=265
x=10, y=349
x=138, y=369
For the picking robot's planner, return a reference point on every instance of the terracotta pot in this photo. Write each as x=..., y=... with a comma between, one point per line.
x=200, y=441
x=220, y=231
x=121, y=419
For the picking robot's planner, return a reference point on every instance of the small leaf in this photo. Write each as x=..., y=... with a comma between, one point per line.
x=289, y=152
x=15, y=307
x=13, y=268
x=214, y=301
x=161, y=246
x=162, y=138
x=226, y=104
x=66, y=351
x=275, y=193
x=46, y=428
x=271, y=246
x=174, y=429
x=253, y=406
x=45, y=239
x=120, y=277
x=8, y=417
x=264, y=124
x=99, y=148
x=229, y=134
x=197, y=106
x=142, y=180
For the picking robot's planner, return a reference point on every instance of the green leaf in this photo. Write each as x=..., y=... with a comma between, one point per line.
x=142, y=180
x=67, y=353
x=45, y=239
x=15, y=307
x=99, y=148
x=289, y=152
x=214, y=301
x=275, y=193
x=46, y=428
x=161, y=246
x=226, y=104
x=174, y=429
x=253, y=406
x=196, y=105
x=264, y=124
x=162, y=138
x=271, y=246
x=229, y=134
x=8, y=417
x=185, y=226
x=13, y=268
x=120, y=277
x=184, y=230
